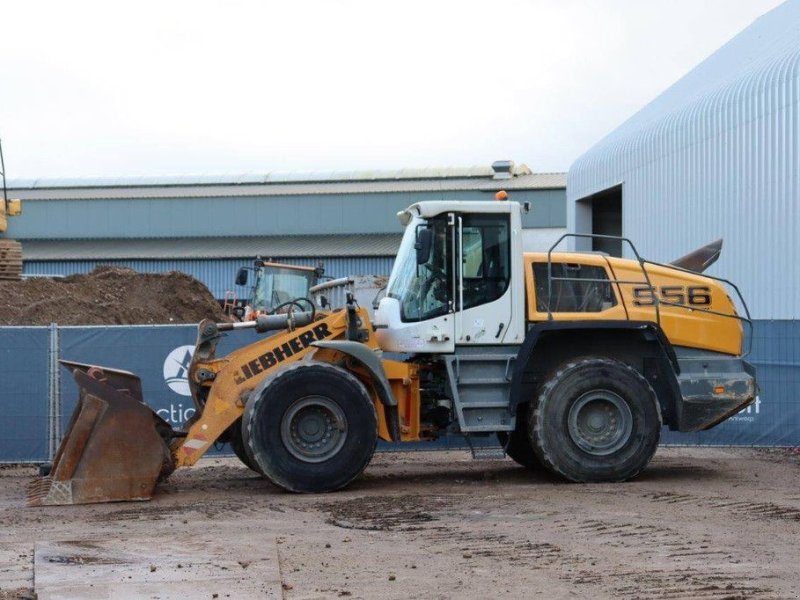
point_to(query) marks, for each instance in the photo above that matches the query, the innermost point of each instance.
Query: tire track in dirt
(430, 520)
(502, 547)
(740, 508)
(699, 570)
(687, 585)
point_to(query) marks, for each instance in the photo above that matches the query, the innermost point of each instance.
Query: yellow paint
(223, 405)
(404, 380)
(691, 326)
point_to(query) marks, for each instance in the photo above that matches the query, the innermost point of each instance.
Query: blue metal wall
(217, 275)
(241, 216)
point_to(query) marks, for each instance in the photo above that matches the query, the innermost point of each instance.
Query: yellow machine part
(403, 379)
(691, 324)
(239, 373)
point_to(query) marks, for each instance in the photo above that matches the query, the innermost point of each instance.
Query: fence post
(54, 393)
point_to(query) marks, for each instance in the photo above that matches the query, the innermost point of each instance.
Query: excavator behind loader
(571, 363)
(276, 287)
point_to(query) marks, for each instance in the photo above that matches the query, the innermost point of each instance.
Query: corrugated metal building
(210, 226)
(717, 155)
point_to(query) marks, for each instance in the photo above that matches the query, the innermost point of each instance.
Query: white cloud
(99, 88)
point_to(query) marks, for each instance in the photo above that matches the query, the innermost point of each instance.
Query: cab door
(484, 278)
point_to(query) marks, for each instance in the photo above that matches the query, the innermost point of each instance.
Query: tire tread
(536, 424)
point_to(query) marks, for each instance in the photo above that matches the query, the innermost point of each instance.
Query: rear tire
(518, 443)
(596, 420)
(312, 427)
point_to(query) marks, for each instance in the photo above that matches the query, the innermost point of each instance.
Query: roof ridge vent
(503, 169)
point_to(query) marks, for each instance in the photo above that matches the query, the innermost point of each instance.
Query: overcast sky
(159, 88)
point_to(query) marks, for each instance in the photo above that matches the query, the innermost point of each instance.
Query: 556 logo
(693, 295)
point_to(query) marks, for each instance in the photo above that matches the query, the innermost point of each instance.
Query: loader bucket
(115, 448)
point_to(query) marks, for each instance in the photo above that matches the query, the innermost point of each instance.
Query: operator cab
(457, 279)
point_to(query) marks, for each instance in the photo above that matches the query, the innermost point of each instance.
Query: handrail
(656, 299)
(657, 302)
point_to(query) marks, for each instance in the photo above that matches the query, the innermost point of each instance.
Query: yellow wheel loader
(569, 362)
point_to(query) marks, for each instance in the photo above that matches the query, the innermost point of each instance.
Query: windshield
(423, 290)
(276, 285)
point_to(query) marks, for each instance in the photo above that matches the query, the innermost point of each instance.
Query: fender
(649, 331)
(370, 361)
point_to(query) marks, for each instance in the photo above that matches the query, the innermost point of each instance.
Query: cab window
(486, 258)
(575, 288)
(424, 288)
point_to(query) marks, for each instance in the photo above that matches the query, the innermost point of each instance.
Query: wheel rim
(314, 429)
(600, 422)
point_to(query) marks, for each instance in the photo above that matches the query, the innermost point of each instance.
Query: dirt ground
(699, 524)
(107, 296)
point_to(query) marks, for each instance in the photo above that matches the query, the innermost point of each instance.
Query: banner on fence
(37, 401)
(24, 394)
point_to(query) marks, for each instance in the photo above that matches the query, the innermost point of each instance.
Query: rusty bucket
(116, 448)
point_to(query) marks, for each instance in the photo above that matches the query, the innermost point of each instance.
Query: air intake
(503, 169)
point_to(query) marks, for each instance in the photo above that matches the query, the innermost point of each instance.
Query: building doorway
(600, 214)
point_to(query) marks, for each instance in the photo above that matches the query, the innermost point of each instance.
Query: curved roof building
(717, 155)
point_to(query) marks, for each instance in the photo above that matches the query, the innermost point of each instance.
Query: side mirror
(376, 301)
(423, 245)
(241, 277)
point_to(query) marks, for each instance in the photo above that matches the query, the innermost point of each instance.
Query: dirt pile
(107, 296)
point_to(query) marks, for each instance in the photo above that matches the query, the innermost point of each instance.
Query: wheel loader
(569, 363)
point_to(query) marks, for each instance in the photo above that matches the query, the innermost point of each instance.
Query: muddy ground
(107, 296)
(699, 524)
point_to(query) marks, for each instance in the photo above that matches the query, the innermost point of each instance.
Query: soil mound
(108, 296)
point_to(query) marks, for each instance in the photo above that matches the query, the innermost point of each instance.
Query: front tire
(310, 428)
(239, 448)
(596, 420)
